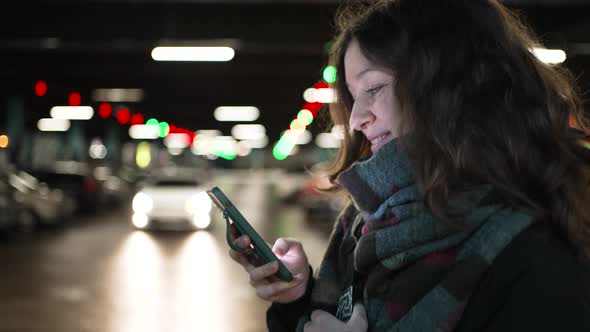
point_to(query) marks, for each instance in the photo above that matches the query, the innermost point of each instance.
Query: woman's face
(376, 108)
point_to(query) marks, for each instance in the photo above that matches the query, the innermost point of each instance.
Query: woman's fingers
(260, 273)
(263, 277)
(269, 291)
(242, 242)
(234, 231)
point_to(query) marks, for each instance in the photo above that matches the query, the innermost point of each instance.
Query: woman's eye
(374, 90)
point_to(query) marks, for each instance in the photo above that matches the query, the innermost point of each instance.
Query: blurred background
(116, 116)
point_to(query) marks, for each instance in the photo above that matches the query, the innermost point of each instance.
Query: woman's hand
(269, 287)
(326, 322)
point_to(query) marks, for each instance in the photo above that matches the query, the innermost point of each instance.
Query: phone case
(261, 248)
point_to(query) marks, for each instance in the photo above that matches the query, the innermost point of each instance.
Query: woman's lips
(378, 141)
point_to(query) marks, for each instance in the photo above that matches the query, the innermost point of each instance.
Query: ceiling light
(236, 113)
(118, 95)
(327, 141)
(248, 131)
(53, 125)
(323, 95)
(549, 56)
(72, 112)
(183, 53)
(144, 132)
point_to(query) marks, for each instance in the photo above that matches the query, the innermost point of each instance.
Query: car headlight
(140, 220)
(198, 204)
(142, 203)
(201, 221)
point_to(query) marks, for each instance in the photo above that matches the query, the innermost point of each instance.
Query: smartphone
(261, 249)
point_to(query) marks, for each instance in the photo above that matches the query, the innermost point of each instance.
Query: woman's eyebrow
(360, 74)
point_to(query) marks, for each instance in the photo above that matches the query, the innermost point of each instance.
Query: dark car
(49, 205)
(12, 215)
(76, 182)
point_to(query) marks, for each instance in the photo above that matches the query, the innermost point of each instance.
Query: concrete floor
(99, 274)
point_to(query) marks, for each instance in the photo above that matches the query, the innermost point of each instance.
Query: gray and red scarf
(412, 272)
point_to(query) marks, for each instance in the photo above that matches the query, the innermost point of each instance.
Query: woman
(468, 187)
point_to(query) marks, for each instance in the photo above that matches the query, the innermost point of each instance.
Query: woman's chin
(376, 147)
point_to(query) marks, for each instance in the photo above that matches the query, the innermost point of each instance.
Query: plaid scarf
(412, 272)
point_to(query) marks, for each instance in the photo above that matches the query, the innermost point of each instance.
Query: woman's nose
(360, 116)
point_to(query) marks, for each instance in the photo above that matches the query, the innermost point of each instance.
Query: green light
(305, 116)
(329, 74)
(225, 156)
(296, 125)
(151, 122)
(587, 144)
(224, 149)
(164, 129)
(284, 146)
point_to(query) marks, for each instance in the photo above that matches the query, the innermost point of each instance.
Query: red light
(40, 88)
(75, 99)
(321, 85)
(313, 108)
(191, 136)
(137, 119)
(172, 129)
(123, 116)
(105, 110)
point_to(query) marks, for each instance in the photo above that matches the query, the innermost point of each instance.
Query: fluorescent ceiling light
(236, 113)
(338, 131)
(248, 131)
(144, 132)
(177, 141)
(118, 95)
(549, 56)
(327, 141)
(303, 137)
(53, 124)
(297, 137)
(225, 144)
(183, 53)
(323, 95)
(72, 112)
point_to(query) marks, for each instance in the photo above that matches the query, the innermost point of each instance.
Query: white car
(172, 204)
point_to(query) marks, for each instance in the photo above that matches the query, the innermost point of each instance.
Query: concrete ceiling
(81, 45)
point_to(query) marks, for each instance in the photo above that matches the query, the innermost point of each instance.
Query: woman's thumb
(282, 246)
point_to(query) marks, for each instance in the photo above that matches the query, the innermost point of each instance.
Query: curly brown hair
(481, 107)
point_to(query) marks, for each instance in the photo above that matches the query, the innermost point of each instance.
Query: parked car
(171, 203)
(76, 180)
(49, 206)
(13, 216)
(115, 190)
